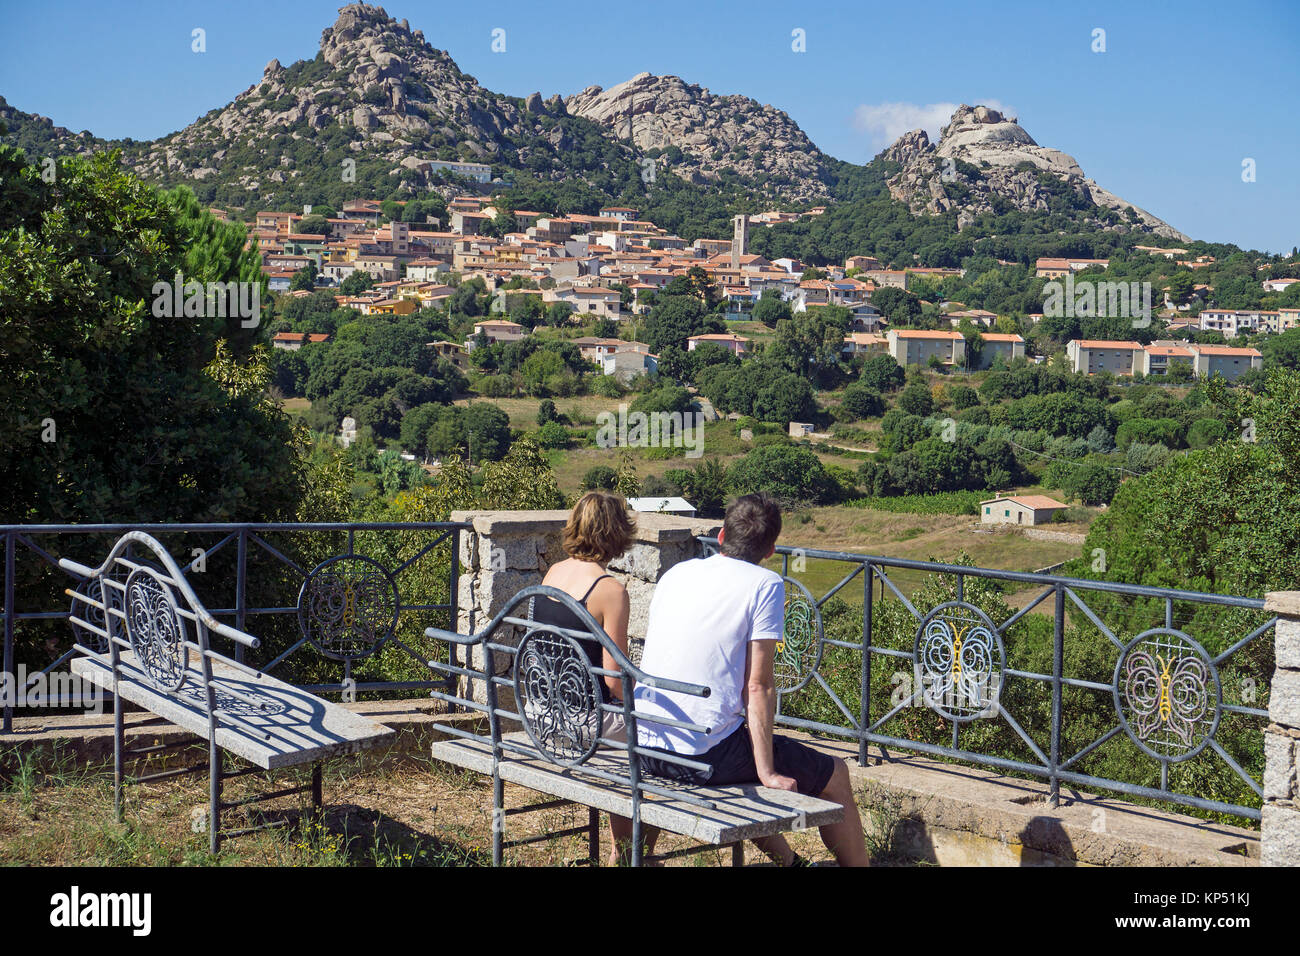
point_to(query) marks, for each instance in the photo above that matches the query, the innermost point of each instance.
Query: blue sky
(1184, 92)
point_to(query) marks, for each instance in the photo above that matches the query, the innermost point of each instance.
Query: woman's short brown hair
(600, 528)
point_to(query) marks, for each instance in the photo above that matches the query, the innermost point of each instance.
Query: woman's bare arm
(611, 608)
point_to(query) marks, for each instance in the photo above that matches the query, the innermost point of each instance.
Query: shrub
(1205, 432)
(862, 402)
(553, 435)
(599, 476)
(963, 396)
(496, 386)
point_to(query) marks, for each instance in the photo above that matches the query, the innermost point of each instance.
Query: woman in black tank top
(599, 530)
(550, 611)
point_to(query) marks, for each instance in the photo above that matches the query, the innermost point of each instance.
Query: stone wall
(509, 550)
(1280, 826)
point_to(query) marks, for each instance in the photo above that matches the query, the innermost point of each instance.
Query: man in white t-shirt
(715, 621)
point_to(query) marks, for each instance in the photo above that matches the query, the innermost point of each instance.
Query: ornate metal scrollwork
(558, 696)
(799, 652)
(155, 628)
(959, 662)
(1167, 694)
(110, 597)
(348, 607)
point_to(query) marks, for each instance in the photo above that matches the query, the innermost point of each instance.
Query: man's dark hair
(751, 527)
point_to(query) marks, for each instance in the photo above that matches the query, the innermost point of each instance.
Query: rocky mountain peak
(358, 18)
(985, 159)
(712, 133)
(909, 147)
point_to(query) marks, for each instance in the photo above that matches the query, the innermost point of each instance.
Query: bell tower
(739, 239)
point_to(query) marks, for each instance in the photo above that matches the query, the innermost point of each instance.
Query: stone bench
(144, 635)
(553, 693)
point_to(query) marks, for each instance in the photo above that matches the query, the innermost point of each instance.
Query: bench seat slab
(292, 726)
(743, 812)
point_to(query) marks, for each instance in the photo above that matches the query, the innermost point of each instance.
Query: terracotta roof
(1029, 501)
(926, 334)
(1227, 350)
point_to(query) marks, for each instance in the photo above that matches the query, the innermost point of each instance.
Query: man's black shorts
(732, 761)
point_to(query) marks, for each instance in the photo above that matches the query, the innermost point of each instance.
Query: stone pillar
(506, 551)
(1280, 825)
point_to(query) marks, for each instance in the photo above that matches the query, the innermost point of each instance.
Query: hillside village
(606, 266)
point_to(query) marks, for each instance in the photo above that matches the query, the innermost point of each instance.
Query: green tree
(304, 278)
(771, 308)
(897, 305)
(676, 318)
(553, 435)
(114, 410)
(1205, 432)
(812, 340)
(1094, 483)
(1283, 350)
(314, 225)
(882, 373)
(794, 476)
(487, 431)
(705, 486)
(356, 283)
(1224, 519)
(916, 398)
(522, 480)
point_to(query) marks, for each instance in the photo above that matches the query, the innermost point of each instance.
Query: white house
(1019, 509)
(668, 506)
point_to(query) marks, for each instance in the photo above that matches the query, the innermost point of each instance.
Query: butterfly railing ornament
(1166, 689)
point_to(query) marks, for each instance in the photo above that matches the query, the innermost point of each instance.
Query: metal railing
(1134, 695)
(338, 606)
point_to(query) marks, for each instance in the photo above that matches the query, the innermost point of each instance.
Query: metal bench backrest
(557, 692)
(147, 607)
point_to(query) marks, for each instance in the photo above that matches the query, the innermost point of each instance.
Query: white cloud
(885, 122)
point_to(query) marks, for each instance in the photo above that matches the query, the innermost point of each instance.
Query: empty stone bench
(144, 635)
(552, 691)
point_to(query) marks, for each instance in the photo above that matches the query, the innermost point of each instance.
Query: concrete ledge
(1283, 603)
(964, 816)
(651, 528)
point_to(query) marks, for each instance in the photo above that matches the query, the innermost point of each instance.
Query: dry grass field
(400, 811)
(581, 409)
